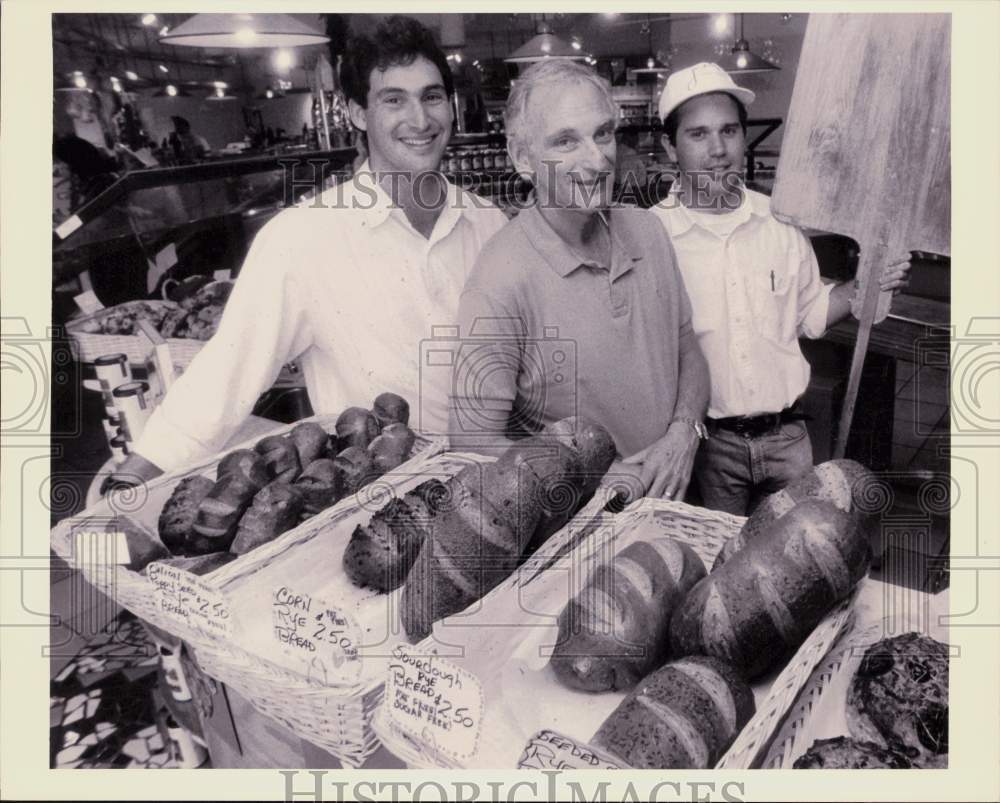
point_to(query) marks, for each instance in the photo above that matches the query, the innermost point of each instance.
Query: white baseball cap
(699, 80)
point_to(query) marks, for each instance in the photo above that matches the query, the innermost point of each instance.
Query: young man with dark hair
(349, 283)
(755, 288)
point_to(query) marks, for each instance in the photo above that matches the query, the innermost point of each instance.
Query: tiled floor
(921, 419)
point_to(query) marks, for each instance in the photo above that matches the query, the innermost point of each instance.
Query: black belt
(753, 426)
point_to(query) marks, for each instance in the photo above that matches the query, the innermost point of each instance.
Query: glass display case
(181, 221)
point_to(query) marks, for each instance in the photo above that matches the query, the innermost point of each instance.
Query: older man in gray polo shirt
(577, 307)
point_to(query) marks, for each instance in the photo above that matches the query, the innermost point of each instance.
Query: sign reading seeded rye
(187, 598)
(436, 702)
(305, 626)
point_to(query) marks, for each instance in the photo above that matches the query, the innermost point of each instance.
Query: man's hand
(666, 464)
(134, 470)
(896, 275)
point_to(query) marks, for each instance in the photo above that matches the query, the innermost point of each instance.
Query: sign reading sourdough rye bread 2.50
(435, 702)
(321, 636)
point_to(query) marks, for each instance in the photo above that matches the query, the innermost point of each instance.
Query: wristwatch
(694, 423)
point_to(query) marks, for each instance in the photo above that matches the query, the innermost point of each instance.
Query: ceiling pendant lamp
(653, 65)
(243, 30)
(741, 60)
(544, 45)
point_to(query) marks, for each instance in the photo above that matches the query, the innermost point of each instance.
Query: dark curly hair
(673, 119)
(397, 41)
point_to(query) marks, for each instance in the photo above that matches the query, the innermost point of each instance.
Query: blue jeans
(734, 473)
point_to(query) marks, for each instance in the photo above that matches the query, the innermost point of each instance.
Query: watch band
(695, 424)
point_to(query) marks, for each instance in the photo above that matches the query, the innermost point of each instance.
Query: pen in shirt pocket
(772, 281)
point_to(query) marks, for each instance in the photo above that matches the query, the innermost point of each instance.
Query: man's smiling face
(709, 143)
(408, 119)
(570, 145)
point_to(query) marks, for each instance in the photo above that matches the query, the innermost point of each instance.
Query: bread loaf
(321, 485)
(493, 513)
(390, 449)
(389, 408)
(310, 441)
(846, 484)
(246, 463)
(356, 468)
(280, 457)
(615, 631)
(356, 427)
(844, 753)
(684, 715)
(179, 513)
(381, 553)
(219, 513)
(275, 509)
(769, 596)
(898, 698)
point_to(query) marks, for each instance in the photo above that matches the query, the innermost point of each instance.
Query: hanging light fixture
(171, 91)
(243, 30)
(653, 65)
(741, 60)
(545, 45)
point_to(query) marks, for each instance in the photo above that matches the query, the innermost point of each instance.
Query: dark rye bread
(844, 753)
(280, 457)
(848, 485)
(310, 440)
(245, 462)
(275, 509)
(615, 631)
(381, 553)
(321, 485)
(219, 514)
(899, 698)
(178, 514)
(765, 600)
(684, 715)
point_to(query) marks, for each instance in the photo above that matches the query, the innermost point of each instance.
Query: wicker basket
(505, 654)
(270, 686)
(88, 346)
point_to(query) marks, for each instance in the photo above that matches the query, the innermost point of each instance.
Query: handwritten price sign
(435, 702)
(325, 638)
(549, 750)
(187, 598)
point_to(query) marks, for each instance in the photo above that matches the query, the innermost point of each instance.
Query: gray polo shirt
(544, 336)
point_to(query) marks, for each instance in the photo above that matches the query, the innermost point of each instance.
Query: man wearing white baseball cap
(755, 288)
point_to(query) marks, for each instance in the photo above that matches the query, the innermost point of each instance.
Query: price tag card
(187, 598)
(435, 702)
(324, 638)
(223, 275)
(548, 750)
(88, 302)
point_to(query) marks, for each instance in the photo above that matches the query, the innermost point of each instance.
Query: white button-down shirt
(754, 286)
(347, 287)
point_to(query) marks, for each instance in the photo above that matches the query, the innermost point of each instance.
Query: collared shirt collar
(365, 194)
(678, 223)
(563, 259)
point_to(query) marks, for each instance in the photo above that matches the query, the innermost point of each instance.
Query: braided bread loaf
(684, 715)
(615, 631)
(769, 596)
(844, 483)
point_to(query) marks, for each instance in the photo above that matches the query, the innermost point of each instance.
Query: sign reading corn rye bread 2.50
(435, 702)
(187, 598)
(324, 638)
(548, 750)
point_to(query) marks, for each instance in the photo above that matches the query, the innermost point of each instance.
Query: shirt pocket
(706, 290)
(772, 294)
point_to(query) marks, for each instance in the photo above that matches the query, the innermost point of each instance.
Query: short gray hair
(547, 71)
